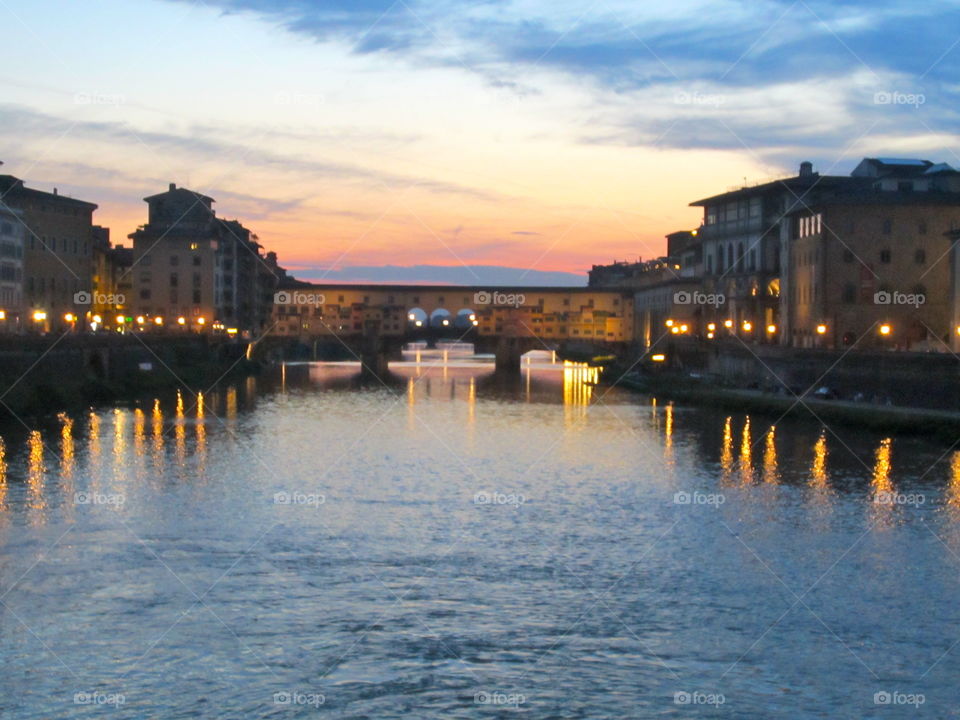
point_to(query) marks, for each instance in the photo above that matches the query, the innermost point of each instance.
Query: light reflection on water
(400, 594)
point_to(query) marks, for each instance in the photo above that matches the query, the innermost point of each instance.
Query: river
(459, 545)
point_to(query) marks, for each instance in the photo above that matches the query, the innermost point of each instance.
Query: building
(196, 271)
(12, 238)
(58, 253)
(745, 236)
(872, 266)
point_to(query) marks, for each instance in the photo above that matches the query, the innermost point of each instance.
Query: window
(145, 294)
(920, 256)
(905, 186)
(196, 261)
(887, 226)
(173, 280)
(885, 255)
(849, 293)
(174, 259)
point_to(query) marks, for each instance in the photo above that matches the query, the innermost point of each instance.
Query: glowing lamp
(39, 316)
(181, 320)
(747, 326)
(885, 329)
(69, 317)
(669, 323)
(658, 358)
(728, 323)
(821, 329)
(711, 326)
(771, 329)
(158, 320)
(141, 319)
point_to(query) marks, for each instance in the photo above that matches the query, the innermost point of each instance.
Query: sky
(367, 138)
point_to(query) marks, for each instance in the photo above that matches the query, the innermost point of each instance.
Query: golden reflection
(818, 469)
(180, 430)
(472, 402)
(770, 472)
(3, 475)
(883, 500)
(231, 403)
(93, 437)
(953, 485)
(881, 469)
(668, 434)
(746, 454)
(726, 450)
(119, 437)
(201, 437)
(35, 473)
(578, 382)
(67, 447)
(139, 432)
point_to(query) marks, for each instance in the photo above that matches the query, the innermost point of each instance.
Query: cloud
(18, 123)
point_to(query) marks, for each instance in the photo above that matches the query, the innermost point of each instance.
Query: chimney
(55, 191)
(173, 186)
(806, 169)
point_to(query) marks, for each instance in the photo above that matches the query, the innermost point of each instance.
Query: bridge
(375, 321)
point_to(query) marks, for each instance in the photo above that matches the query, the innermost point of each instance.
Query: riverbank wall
(40, 375)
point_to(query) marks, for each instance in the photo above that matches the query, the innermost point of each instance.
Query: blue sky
(545, 136)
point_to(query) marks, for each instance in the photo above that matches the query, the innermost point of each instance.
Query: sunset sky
(543, 136)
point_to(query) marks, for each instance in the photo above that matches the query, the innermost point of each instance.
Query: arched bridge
(505, 320)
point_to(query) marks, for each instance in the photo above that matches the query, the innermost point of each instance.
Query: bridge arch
(465, 319)
(441, 318)
(417, 318)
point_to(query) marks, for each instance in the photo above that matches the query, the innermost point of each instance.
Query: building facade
(12, 237)
(58, 253)
(196, 271)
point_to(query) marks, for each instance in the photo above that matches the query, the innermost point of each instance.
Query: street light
(728, 324)
(885, 329)
(771, 328)
(747, 326)
(822, 329)
(97, 319)
(158, 320)
(141, 319)
(411, 317)
(119, 319)
(39, 316)
(711, 326)
(69, 317)
(201, 321)
(669, 323)
(683, 328)
(181, 320)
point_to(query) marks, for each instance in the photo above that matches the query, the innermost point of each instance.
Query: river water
(459, 545)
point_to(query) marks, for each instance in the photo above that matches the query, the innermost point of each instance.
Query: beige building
(58, 253)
